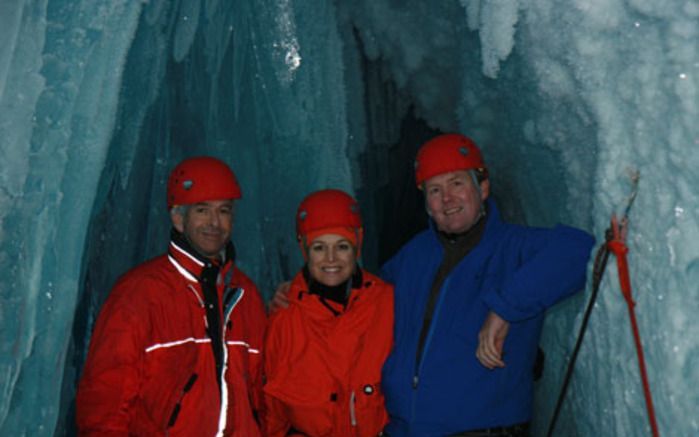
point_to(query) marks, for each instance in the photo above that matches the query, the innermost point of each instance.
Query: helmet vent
(463, 151)
(188, 184)
(303, 215)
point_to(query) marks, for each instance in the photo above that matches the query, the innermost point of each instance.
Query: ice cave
(568, 100)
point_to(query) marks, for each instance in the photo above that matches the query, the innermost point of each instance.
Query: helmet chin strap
(481, 214)
(481, 210)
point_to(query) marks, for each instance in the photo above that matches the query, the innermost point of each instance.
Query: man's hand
(490, 341)
(281, 297)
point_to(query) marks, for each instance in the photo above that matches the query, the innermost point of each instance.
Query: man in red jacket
(176, 348)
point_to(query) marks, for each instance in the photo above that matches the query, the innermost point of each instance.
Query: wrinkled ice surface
(100, 99)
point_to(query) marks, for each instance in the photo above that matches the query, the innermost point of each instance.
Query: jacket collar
(315, 297)
(339, 293)
(191, 264)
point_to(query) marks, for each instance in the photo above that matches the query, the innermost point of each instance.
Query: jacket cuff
(508, 311)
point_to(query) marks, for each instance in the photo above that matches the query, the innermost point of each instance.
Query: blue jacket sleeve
(551, 265)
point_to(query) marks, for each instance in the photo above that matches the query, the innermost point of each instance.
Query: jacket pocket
(176, 409)
(367, 411)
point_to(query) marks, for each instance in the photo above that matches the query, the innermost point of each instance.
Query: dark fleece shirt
(456, 247)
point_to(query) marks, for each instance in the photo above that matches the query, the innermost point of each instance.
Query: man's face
(453, 200)
(206, 225)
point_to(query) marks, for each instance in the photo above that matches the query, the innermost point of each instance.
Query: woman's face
(331, 259)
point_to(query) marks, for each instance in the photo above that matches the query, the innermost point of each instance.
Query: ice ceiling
(99, 99)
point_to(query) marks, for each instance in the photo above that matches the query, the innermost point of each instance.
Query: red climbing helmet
(447, 153)
(329, 212)
(199, 179)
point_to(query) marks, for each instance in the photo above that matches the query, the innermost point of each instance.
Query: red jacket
(151, 370)
(324, 370)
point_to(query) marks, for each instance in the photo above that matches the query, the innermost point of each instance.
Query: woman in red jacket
(324, 352)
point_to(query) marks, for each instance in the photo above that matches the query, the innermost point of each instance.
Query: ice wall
(100, 99)
(61, 66)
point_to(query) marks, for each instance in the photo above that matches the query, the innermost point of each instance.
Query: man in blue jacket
(470, 296)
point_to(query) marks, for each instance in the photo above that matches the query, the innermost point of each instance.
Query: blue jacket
(515, 271)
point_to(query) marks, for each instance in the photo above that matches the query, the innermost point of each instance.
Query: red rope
(619, 248)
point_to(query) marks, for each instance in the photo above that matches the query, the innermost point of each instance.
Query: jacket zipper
(419, 362)
(353, 413)
(236, 297)
(428, 341)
